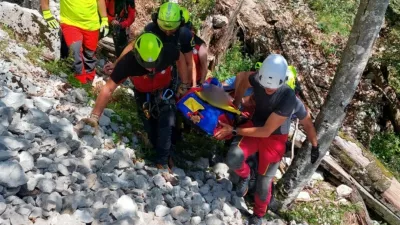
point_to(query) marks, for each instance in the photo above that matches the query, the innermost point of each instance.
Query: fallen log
(378, 187)
(362, 212)
(339, 173)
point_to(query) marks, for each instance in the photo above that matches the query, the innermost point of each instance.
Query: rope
(294, 136)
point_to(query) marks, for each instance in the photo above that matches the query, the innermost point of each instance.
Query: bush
(386, 147)
(233, 63)
(334, 16)
(199, 10)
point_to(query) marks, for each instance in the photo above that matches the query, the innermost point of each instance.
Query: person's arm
(194, 74)
(190, 66)
(182, 69)
(273, 122)
(101, 5)
(309, 129)
(44, 4)
(203, 62)
(130, 19)
(104, 97)
(241, 85)
(127, 49)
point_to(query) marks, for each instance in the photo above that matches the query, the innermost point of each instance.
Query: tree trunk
(367, 24)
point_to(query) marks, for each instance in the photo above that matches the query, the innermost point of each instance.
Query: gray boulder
(30, 24)
(12, 99)
(62, 149)
(44, 104)
(46, 185)
(83, 215)
(38, 118)
(12, 174)
(6, 115)
(5, 154)
(15, 144)
(26, 161)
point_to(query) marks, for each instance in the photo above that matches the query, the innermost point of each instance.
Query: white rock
(65, 219)
(62, 169)
(62, 149)
(276, 222)
(44, 104)
(83, 215)
(46, 185)
(227, 209)
(3, 207)
(125, 206)
(195, 220)
(180, 214)
(26, 161)
(162, 211)
(40, 221)
(213, 220)
(43, 163)
(343, 201)
(343, 191)
(12, 99)
(303, 196)
(221, 169)
(80, 95)
(159, 180)
(318, 176)
(12, 174)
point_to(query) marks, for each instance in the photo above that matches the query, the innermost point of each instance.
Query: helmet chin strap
(152, 73)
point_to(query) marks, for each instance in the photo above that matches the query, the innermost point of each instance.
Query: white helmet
(273, 71)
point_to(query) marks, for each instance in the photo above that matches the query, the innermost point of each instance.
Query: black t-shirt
(198, 40)
(282, 102)
(128, 65)
(182, 38)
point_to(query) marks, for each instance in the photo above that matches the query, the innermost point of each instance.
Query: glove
(314, 154)
(108, 68)
(92, 121)
(51, 21)
(104, 26)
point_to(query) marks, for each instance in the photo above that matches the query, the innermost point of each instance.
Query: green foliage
(386, 146)
(391, 57)
(58, 66)
(8, 30)
(234, 62)
(334, 16)
(322, 213)
(326, 211)
(199, 10)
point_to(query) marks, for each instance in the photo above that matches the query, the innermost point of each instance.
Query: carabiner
(165, 94)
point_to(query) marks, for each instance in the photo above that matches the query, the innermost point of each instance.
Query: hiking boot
(255, 220)
(164, 168)
(242, 186)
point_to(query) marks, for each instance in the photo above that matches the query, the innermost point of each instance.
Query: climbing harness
(152, 109)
